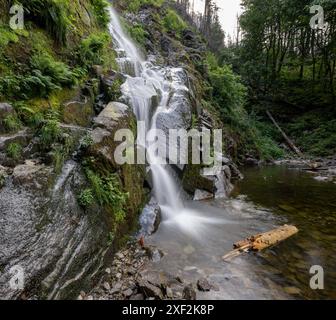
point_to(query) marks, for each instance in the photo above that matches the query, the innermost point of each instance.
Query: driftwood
(288, 140)
(261, 241)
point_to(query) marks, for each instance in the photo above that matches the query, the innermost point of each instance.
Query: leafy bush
(7, 36)
(12, 123)
(135, 5)
(85, 199)
(91, 49)
(51, 14)
(50, 133)
(14, 151)
(138, 33)
(173, 22)
(57, 71)
(99, 8)
(108, 192)
(46, 75)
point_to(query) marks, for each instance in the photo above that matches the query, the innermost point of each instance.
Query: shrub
(44, 65)
(99, 9)
(86, 199)
(14, 151)
(108, 192)
(173, 22)
(51, 14)
(91, 49)
(50, 133)
(12, 123)
(138, 33)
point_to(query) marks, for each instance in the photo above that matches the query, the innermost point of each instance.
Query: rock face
(44, 232)
(60, 246)
(114, 117)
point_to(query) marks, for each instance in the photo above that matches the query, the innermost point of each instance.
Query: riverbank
(268, 197)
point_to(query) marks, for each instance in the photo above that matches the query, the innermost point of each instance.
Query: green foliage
(173, 22)
(14, 151)
(51, 14)
(57, 71)
(315, 133)
(87, 141)
(50, 133)
(91, 49)
(86, 198)
(228, 91)
(115, 90)
(46, 75)
(12, 123)
(138, 33)
(7, 36)
(135, 5)
(100, 11)
(229, 96)
(108, 192)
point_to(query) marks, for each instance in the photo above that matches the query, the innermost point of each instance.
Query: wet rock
(154, 253)
(110, 82)
(202, 195)
(138, 297)
(203, 285)
(39, 211)
(31, 173)
(150, 218)
(223, 183)
(149, 290)
(189, 292)
(22, 138)
(107, 286)
(127, 293)
(250, 161)
(169, 293)
(79, 109)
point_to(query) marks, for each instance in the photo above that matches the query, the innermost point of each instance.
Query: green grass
(173, 22)
(14, 151)
(138, 33)
(50, 133)
(12, 123)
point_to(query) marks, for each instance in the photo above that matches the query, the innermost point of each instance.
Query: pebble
(107, 286)
(127, 293)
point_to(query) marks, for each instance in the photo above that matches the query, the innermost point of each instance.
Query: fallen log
(262, 241)
(287, 139)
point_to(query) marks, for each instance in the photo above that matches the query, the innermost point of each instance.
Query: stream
(194, 236)
(268, 197)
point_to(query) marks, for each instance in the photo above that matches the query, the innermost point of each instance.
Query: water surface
(268, 197)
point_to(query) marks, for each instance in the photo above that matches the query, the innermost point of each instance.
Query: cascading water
(149, 89)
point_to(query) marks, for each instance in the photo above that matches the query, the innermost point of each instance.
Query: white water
(149, 89)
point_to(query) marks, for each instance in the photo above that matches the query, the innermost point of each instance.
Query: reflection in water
(268, 197)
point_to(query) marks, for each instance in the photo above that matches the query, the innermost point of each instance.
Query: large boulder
(46, 235)
(114, 117)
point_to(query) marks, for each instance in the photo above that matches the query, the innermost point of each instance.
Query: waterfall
(149, 90)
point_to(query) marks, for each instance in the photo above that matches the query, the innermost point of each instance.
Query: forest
(286, 61)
